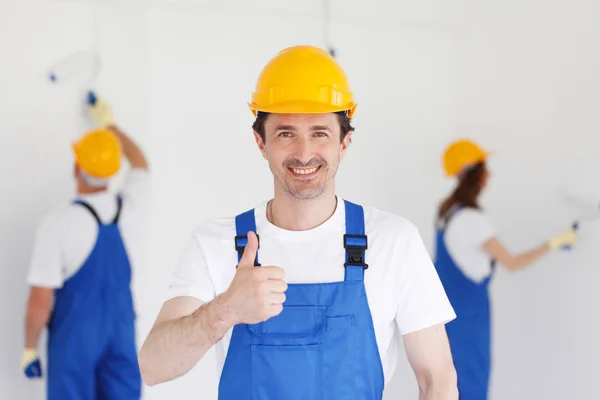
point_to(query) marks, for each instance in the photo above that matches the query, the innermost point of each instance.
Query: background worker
(80, 274)
(312, 321)
(467, 249)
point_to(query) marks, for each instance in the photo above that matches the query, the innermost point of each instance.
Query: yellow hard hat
(462, 154)
(302, 80)
(98, 153)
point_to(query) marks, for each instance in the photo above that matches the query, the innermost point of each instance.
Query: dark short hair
(345, 124)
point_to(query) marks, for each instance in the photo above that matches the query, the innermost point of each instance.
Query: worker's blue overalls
(470, 332)
(91, 336)
(322, 346)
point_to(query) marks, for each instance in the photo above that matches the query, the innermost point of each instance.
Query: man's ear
(345, 144)
(261, 145)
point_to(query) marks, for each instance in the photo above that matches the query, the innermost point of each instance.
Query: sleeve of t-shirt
(474, 226)
(467, 231)
(191, 276)
(46, 265)
(422, 300)
(136, 191)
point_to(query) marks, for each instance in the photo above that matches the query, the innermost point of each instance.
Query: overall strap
(355, 243)
(119, 207)
(90, 209)
(445, 220)
(245, 223)
(95, 214)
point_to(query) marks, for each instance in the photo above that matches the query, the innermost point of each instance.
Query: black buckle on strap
(240, 244)
(355, 246)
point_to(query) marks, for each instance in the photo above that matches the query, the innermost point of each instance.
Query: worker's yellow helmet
(462, 154)
(302, 80)
(98, 153)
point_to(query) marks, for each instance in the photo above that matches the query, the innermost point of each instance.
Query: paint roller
(577, 223)
(78, 64)
(83, 62)
(577, 195)
(326, 6)
(586, 218)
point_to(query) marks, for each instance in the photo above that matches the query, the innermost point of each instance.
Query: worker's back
(84, 256)
(67, 236)
(98, 294)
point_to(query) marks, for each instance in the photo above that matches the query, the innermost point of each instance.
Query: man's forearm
(440, 387)
(39, 308)
(174, 347)
(35, 322)
(132, 152)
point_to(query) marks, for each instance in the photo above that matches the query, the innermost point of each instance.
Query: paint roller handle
(91, 98)
(72, 65)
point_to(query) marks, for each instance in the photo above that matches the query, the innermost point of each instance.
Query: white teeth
(304, 171)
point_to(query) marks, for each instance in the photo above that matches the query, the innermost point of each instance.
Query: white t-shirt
(403, 288)
(467, 231)
(66, 236)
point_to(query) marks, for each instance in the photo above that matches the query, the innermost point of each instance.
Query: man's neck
(90, 190)
(300, 215)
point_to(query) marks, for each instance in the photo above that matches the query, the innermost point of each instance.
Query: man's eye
(285, 134)
(321, 134)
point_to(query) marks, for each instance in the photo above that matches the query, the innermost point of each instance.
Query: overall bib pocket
(338, 361)
(293, 322)
(286, 356)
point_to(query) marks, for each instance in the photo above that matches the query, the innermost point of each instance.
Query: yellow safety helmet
(302, 80)
(462, 154)
(98, 153)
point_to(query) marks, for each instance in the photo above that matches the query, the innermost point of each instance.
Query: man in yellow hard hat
(309, 313)
(80, 274)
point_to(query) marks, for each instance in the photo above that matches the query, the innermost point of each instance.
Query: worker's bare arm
(185, 328)
(39, 308)
(184, 331)
(499, 252)
(131, 150)
(429, 355)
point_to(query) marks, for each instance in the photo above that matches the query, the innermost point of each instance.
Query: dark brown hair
(466, 192)
(259, 125)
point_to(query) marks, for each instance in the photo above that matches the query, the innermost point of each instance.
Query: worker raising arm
(80, 273)
(467, 249)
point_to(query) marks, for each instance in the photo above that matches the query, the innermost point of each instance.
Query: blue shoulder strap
(355, 243)
(95, 214)
(446, 218)
(245, 223)
(355, 240)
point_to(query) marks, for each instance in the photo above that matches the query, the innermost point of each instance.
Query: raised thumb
(249, 255)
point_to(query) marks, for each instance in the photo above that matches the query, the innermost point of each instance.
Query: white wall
(528, 88)
(179, 74)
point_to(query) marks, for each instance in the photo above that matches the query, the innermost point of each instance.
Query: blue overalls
(321, 346)
(91, 336)
(470, 333)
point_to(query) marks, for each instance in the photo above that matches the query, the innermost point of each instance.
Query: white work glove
(101, 113)
(30, 364)
(566, 240)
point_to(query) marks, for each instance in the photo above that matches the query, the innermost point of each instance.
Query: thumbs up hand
(256, 293)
